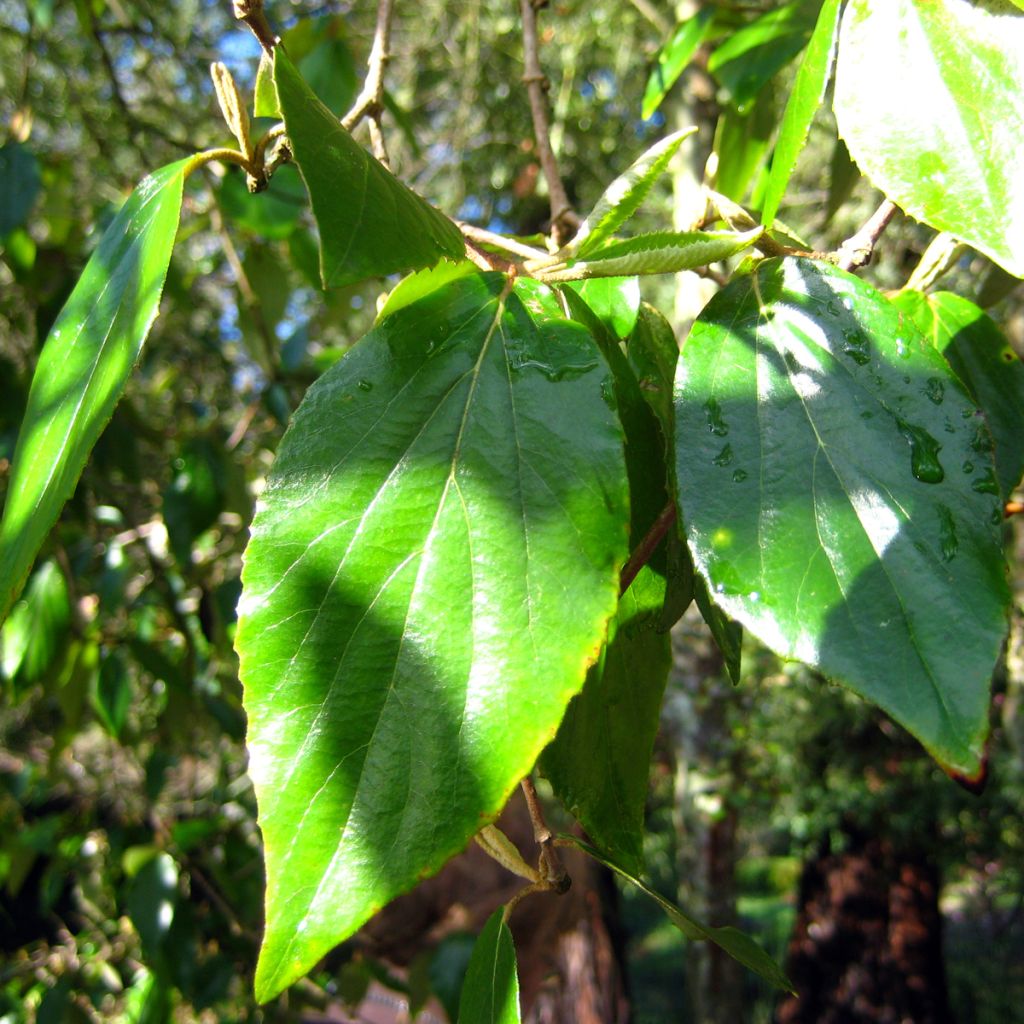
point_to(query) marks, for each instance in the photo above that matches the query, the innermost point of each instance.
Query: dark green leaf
(757, 52)
(152, 901)
(195, 496)
(37, 626)
(739, 946)
(83, 367)
(113, 694)
(329, 69)
(20, 182)
(947, 145)
(804, 102)
(448, 970)
(653, 353)
(370, 224)
(622, 198)
(273, 213)
(490, 993)
(615, 301)
(430, 574)
(674, 56)
(842, 177)
(986, 362)
(600, 760)
(839, 496)
(742, 142)
(727, 634)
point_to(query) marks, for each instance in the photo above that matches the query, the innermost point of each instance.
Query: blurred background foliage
(130, 869)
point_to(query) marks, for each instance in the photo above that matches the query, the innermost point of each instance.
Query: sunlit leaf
(431, 570)
(490, 993)
(370, 224)
(838, 493)
(947, 145)
(674, 56)
(83, 367)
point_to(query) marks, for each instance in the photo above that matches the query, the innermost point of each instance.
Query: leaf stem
(857, 250)
(476, 234)
(251, 12)
(564, 220)
(643, 551)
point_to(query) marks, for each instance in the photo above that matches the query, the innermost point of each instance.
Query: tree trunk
(867, 946)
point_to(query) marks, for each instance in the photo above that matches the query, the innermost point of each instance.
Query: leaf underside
(839, 496)
(430, 574)
(91, 349)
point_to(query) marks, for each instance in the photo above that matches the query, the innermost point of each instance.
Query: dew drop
(365, 385)
(847, 302)
(739, 475)
(719, 588)
(924, 453)
(716, 424)
(608, 394)
(981, 442)
(948, 542)
(832, 309)
(724, 457)
(968, 466)
(935, 390)
(856, 347)
(986, 483)
(901, 348)
(755, 596)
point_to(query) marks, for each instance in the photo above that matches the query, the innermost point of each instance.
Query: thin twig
(563, 219)
(370, 101)
(541, 832)
(641, 556)
(251, 12)
(486, 237)
(552, 872)
(856, 251)
(654, 16)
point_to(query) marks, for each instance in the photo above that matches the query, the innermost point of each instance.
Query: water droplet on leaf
(924, 453)
(986, 483)
(947, 534)
(716, 424)
(365, 385)
(724, 457)
(935, 390)
(739, 475)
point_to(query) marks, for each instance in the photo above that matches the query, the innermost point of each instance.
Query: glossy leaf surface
(986, 362)
(600, 760)
(947, 145)
(614, 300)
(804, 102)
(839, 496)
(622, 198)
(737, 944)
(674, 56)
(430, 574)
(82, 369)
(662, 252)
(490, 992)
(370, 223)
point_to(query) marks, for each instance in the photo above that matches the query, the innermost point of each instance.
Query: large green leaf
(370, 224)
(986, 362)
(804, 102)
(948, 144)
(82, 369)
(838, 494)
(622, 198)
(738, 945)
(674, 56)
(431, 570)
(490, 993)
(599, 762)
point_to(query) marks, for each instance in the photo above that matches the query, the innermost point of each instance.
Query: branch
(856, 251)
(563, 220)
(654, 536)
(251, 12)
(370, 101)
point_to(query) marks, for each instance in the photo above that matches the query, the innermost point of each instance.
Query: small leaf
(754, 54)
(37, 626)
(82, 369)
(947, 145)
(663, 252)
(20, 183)
(839, 496)
(490, 993)
(615, 301)
(152, 901)
(986, 362)
(739, 946)
(727, 634)
(742, 143)
(804, 102)
(430, 574)
(112, 696)
(622, 198)
(265, 93)
(599, 763)
(653, 352)
(674, 57)
(370, 224)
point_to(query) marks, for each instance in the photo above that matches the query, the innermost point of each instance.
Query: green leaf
(112, 696)
(431, 571)
(742, 143)
(739, 946)
(749, 57)
(273, 213)
(663, 252)
(839, 496)
(370, 224)
(674, 56)
(265, 93)
(423, 282)
(727, 634)
(20, 183)
(490, 993)
(622, 198)
(653, 352)
(37, 626)
(804, 102)
(947, 145)
(986, 363)
(82, 369)
(615, 301)
(152, 901)
(600, 760)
